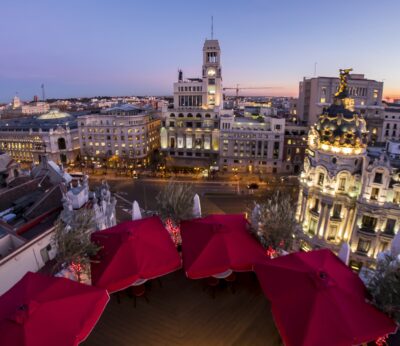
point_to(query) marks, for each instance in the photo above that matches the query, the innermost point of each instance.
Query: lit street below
(215, 196)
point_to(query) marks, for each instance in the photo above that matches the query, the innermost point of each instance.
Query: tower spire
(212, 27)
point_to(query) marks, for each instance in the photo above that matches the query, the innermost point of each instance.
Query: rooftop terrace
(182, 313)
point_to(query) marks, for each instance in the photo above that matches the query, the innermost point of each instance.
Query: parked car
(252, 186)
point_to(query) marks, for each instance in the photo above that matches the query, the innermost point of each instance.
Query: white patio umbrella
(136, 214)
(254, 216)
(344, 253)
(196, 206)
(395, 248)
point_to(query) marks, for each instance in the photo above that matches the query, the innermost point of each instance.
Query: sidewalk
(195, 178)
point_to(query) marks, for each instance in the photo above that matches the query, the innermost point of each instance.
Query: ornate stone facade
(348, 192)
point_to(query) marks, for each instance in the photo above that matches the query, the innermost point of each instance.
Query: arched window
(172, 115)
(190, 115)
(180, 115)
(198, 115)
(61, 143)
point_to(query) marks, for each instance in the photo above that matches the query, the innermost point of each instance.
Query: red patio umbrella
(47, 311)
(317, 300)
(218, 243)
(131, 251)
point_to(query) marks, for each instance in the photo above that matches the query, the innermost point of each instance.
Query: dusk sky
(88, 48)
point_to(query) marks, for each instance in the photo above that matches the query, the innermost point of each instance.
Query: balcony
(388, 234)
(336, 218)
(367, 230)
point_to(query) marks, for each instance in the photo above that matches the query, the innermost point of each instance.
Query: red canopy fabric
(317, 300)
(218, 243)
(133, 250)
(47, 311)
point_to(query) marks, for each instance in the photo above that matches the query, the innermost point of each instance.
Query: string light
(174, 231)
(271, 252)
(382, 341)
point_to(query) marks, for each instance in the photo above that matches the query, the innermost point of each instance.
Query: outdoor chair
(139, 291)
(212, 283)
(230, 281)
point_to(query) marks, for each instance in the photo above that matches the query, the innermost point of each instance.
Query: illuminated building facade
(190, 130)
(124, 132)
(348, 193)
(391, 122)
(253, 145)
(294, 148)
(55, 133)
(317, 93)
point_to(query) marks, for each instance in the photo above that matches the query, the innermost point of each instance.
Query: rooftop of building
(184, 313)
(44, 122)
(30, 206)
(54, 114)
(126, 109)
(352, 76)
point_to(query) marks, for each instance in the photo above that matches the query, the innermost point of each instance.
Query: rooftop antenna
(212, 27)
(315, 69)
(43, 94)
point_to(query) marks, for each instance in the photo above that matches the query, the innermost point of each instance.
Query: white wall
(26, 258)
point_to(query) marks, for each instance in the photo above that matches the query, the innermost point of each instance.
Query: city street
(215, 196)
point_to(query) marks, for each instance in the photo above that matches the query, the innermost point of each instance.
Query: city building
(391, 122)
(348, 192)
(29, 206)
(9, 169)
(17, 109)
(252, 144)
(317, 93)
(55, 133)
(294, 147)
(122, 133)
(190, 130)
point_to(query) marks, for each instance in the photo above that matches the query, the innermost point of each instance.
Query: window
(374, 194)
(363, 245)
(323, 95)
(332, 232)
(378, 178)
(313, 226)
(321, 179)
(368, 223)
(316, 205)
(337, 209)
(276, 150)
(396, 198)
(390, 223)
(342, 184)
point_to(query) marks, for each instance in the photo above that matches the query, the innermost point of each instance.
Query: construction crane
(237, 88)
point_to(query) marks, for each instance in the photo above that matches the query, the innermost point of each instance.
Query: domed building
(54, 132)
(347, 191)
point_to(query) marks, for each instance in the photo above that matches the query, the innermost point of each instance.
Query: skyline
(98, 48)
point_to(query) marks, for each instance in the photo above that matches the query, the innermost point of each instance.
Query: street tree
(273, 221)
(384, 285)
(174, 204)
(72, 240)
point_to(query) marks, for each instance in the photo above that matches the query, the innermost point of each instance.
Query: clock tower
(212, 79)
